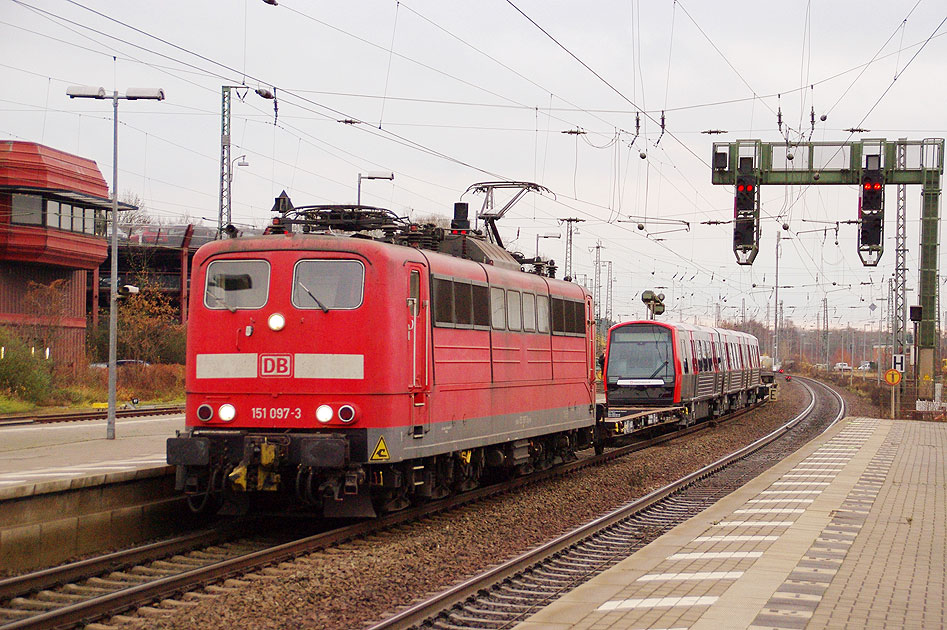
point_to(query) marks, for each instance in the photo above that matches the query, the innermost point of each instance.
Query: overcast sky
(446, 94)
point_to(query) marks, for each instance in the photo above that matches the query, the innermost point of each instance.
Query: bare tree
(138, 216)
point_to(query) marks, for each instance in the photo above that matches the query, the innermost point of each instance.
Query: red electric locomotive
(693, 372)
(363, 372)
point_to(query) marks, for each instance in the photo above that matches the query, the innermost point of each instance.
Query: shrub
(160, 383)
(22, 374)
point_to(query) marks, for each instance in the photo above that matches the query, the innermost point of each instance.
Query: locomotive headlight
(276, 321)
(323, 413)
(227, 412)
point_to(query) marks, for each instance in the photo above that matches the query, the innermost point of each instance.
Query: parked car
(842, 367)
(121, 363)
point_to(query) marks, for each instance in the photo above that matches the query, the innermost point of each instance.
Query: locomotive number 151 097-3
(276, 413)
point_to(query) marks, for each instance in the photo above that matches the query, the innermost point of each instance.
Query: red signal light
(867, 185)
(740, 187)
(876, 186)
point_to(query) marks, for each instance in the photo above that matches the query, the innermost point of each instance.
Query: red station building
(53, 211)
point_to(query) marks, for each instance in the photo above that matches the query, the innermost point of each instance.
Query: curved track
(508, 593)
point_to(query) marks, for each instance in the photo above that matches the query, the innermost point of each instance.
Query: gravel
(353, 585)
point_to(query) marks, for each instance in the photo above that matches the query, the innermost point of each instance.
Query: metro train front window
(328, 284)
(236, 284)
(640, 352)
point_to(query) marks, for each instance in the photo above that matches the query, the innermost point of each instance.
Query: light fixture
(323, 413)
(227, 412)
(346, 413)
(371, 175)
(276, 322)
(205, 412)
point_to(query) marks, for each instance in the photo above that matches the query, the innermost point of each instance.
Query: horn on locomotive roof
(490, 214)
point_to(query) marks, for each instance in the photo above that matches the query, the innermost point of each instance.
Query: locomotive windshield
(233, 284)
(640, 351)
(328, 284)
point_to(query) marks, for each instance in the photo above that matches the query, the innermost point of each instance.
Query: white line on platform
(658, 602)
(700, 575)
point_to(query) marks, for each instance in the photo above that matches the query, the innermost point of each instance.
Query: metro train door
(418, 324)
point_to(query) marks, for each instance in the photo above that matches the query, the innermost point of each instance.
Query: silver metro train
(699, 371)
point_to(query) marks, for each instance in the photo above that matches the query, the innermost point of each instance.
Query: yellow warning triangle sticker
(381, 451)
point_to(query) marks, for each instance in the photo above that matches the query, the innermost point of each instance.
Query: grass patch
(11, 405)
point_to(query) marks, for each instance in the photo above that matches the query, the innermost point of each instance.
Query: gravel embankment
(356, 584)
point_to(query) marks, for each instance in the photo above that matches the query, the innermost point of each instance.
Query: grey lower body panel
(458, 435)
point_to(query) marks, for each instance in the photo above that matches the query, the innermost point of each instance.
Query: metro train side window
(498, 308)
(328, 284)
(236, 284)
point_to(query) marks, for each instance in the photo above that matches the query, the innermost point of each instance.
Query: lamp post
(539, 236)
(371, 175)
(131, 94)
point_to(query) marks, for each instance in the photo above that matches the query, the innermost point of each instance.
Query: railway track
(509, 593)
(101, 587)
(95, 414)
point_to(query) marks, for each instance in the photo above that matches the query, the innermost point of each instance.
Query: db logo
(276, 365)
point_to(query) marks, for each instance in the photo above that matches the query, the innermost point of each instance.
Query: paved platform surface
(848, 532)
(35, 458)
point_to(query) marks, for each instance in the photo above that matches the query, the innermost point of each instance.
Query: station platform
(848, 532)
(43, 458)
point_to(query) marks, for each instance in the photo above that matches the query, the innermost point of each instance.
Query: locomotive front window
(328, 284)
(236, 284)
(642, 352)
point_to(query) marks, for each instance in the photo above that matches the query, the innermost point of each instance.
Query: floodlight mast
(131, 94)
(85, 91)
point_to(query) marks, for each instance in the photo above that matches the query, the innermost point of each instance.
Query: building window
(88, 220)
(52, 213)
(101, 228)
(27, 209)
